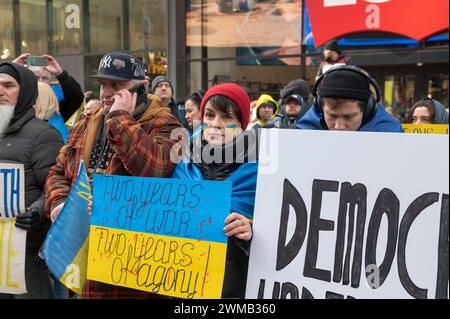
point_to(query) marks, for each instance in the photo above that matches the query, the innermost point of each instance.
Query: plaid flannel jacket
(141, 148)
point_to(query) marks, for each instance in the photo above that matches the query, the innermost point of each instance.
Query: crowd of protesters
(123, 133)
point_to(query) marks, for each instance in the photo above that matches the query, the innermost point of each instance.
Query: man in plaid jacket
(128, 136)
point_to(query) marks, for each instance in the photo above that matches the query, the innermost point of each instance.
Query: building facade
(261, 45)
(79, 32)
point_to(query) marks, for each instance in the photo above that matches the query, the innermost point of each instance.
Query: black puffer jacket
(33, 143)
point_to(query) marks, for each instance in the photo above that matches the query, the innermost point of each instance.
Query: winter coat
(33, 143)
(242, 173)
(274, 121)
(140, 148)
(380, 122)
(287, 123)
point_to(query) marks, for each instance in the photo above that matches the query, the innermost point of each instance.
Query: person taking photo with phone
(69, 92)
(122, 138)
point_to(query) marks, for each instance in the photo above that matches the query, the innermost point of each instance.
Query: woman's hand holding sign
(238, 225)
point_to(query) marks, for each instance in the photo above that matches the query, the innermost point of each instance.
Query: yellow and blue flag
(75, 117)
(66, 247)
(163, 236)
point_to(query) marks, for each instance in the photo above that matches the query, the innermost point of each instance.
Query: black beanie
(345, 84)
(333, 46)
(298, 86)
(8, 69)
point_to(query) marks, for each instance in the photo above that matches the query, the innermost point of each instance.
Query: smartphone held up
(37, 61)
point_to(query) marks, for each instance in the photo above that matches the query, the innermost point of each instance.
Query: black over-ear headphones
(371, 106)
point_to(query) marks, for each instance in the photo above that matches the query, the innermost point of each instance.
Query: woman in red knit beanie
(225, 113)
(233, 103)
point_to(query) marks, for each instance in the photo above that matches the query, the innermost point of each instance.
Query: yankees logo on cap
(120, 66)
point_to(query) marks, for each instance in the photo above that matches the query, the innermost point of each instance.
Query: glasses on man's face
(163, 85)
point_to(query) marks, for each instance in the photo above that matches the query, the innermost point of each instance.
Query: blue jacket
(58, 123)
(381, 122)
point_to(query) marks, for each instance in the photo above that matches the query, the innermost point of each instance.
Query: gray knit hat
(160, 79)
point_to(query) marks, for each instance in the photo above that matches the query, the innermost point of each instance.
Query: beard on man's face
(6, 115)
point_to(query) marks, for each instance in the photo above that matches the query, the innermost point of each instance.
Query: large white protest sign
(12, 239)
(352, 215)
(12, 194)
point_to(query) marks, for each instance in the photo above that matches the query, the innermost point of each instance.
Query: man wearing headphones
(347, 98)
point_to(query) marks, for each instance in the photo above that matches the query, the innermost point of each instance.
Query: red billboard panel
(416, 19)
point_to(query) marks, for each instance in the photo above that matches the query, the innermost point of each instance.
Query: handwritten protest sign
(344, 225)
(66, 245)
(12, 239)
(12, 258)
(426, 128)
(12, 193)
(163, 236)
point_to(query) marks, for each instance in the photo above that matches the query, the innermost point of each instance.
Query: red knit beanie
(235, 93)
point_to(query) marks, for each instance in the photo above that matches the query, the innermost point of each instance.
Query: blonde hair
(47, 103)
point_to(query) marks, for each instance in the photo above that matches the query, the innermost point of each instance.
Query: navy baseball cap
(296, 97)
(118, 66)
